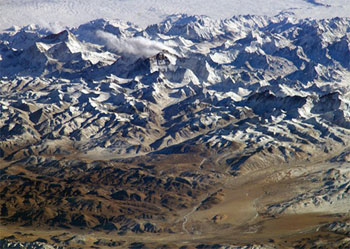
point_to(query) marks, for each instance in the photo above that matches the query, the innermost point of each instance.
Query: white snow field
(59, 13)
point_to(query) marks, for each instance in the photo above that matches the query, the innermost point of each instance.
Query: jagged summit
(194, 78)
(192, 128)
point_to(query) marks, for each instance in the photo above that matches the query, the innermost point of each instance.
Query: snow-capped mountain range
(196, 129)
(108, 89)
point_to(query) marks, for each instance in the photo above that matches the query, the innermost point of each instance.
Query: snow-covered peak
(109, 85)
(87, 32)
(195, 28)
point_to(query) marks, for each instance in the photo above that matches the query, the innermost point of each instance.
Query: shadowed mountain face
(207, 83)
(111, 128)
(315, 2)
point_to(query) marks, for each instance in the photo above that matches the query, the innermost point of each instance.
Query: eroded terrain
(191, 133)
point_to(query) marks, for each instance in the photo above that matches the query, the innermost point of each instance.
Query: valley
(190, 133)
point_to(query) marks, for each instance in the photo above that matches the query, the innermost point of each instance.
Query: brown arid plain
(76, 209)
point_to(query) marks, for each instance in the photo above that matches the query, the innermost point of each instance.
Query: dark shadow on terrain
(316, 3)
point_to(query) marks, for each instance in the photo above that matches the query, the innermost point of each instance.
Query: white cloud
(54, 27)
(138, 47)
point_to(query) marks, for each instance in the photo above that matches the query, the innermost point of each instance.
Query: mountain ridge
(163, 130)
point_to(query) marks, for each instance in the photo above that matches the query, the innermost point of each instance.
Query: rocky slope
(111, 127)
(207, 82)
